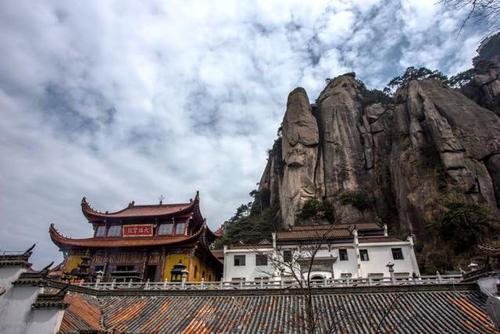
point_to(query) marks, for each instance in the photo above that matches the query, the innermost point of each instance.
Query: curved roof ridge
(107, 242)
(132, 210)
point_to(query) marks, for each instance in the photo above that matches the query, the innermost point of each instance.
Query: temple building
(339, 251)
(140, 243)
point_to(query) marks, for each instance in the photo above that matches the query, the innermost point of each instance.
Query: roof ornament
(45, 269)
(161, 198)
(28, 251)
(131, 204)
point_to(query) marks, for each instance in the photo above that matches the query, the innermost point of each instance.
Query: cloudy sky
(130, 100)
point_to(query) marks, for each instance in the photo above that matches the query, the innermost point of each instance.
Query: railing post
(97, 281)
(146, 287)
(165, 284)
(221, 284)
(113, 284)
(369, 281)
(202, 285)
(439, 277)
(130, 283)
(262, 284)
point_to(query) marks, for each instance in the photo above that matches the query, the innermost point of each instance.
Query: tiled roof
(418, 311)
(218, 253)
(83, 314)
(138, 211)
(364, 240)
(61, 240)
(313, 234)
(359, 226)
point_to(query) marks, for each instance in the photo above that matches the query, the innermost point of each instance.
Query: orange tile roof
(63, 241)
(420, 309)
(83, 314)
(137, 210)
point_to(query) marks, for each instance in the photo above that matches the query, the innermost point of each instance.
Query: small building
(140, 243)
(340, 251)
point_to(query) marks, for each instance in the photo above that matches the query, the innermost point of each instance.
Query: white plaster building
(341, 251)
(22, 309)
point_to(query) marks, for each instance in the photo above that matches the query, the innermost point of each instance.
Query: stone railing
(274, 284)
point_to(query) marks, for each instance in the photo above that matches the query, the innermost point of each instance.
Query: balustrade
(274, 284)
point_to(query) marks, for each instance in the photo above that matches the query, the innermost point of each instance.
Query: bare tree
(300, 267)
(479, 10)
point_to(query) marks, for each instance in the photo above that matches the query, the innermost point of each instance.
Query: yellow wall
(190, 262)
(171, 260)
(72, 262)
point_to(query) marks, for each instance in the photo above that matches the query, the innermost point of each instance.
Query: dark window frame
(397, 253)
(261, 260)
(363, 255)
(343, 254)
(239, 260)
(287, 256)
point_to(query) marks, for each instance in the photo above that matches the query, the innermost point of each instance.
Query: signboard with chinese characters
(143, 230)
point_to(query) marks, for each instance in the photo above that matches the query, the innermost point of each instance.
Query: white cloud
(128, 100)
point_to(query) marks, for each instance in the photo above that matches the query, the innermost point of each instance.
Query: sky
(133, 100)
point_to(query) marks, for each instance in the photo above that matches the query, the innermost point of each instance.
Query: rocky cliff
(398, 160)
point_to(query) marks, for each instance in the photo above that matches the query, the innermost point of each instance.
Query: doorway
(150, 273)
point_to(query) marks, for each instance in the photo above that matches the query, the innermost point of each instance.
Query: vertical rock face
(300, 141)
(433, 143)
(441, 147)
(406, 157)
(487, 65)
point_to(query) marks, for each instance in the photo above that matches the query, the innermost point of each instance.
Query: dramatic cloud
(128, 100)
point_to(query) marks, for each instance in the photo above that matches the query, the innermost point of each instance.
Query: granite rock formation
(402, 157)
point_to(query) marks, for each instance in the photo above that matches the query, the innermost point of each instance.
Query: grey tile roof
(419, 311)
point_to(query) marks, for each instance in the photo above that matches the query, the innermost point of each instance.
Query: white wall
(15, 308)
(380, 255)
(250, 270)
(16, 314)
(9, 274)
(44, 321)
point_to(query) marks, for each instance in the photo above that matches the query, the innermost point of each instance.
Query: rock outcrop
(300, 139)
(402, 158)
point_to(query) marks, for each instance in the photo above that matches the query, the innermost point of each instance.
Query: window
(343, 255)
(260, 260)
(363, 253)
(397, 254)
(101, 231)
(179, 228)
(165, 229)
(287, 256)
(239, 260)
(115, 231)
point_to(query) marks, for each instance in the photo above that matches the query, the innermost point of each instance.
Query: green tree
(413, 73)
